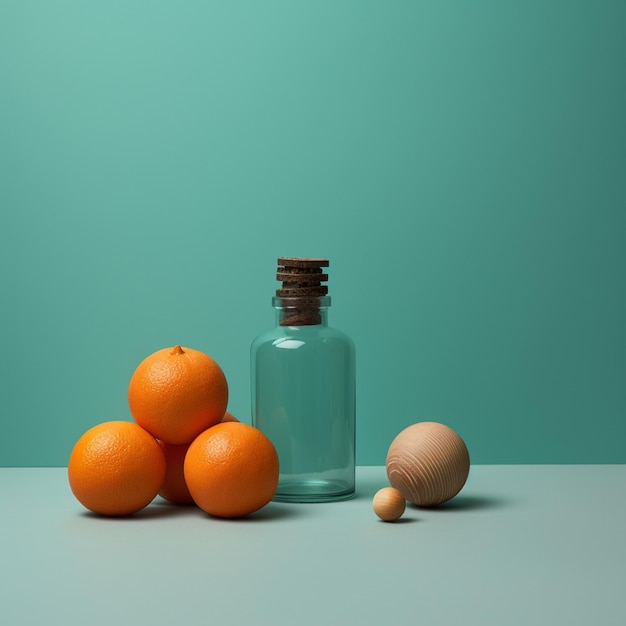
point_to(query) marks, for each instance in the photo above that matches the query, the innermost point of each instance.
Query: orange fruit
(174, 488)
(116, 468)
(176, 393)
(231, 470)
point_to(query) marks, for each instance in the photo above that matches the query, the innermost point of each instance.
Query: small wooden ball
(428, 463)
(388, 504)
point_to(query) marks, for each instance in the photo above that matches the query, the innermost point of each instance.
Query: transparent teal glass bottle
(303, 389)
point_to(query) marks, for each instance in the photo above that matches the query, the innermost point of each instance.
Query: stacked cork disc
(301, 289)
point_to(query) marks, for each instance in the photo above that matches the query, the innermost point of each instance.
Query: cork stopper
(302, 289)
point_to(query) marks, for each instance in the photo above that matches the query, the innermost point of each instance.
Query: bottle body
(304, 399)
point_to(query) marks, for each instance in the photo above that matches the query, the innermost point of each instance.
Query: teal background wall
(462, 164)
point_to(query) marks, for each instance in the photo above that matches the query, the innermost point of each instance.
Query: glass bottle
(303, 388)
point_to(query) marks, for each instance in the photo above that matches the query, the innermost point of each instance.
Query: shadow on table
(160, 509)
(366, 489)
(271, 512)
(468, 502)
(400, 521)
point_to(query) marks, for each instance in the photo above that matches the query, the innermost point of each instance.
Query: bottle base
(313, 490)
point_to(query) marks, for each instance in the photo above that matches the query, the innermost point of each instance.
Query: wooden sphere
(388, 504)
(428, 463)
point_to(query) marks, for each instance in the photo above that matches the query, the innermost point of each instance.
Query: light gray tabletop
(519, 545)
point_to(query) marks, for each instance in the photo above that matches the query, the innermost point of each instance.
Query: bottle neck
(301, 311)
